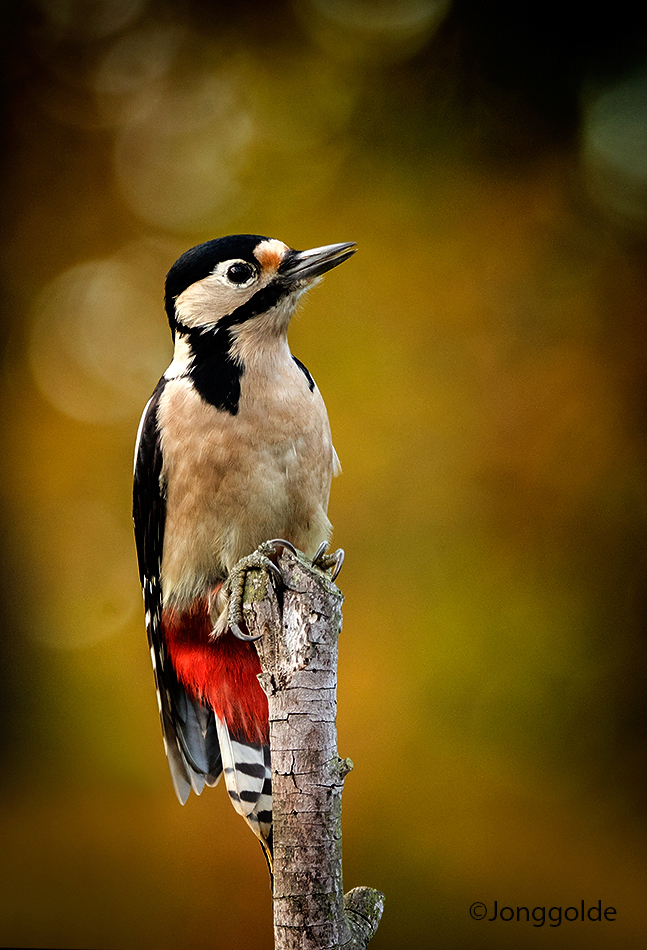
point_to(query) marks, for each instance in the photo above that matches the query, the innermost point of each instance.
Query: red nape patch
(221, 672)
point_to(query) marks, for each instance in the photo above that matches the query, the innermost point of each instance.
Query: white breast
(235, 481)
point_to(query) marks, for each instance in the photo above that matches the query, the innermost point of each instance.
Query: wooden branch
(298, 654)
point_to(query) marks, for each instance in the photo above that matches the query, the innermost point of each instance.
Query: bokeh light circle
(97, 341)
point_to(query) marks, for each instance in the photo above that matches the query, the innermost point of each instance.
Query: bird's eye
(240, 273)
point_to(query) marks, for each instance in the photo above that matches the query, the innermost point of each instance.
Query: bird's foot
(264, 558)
(229, 602)
(328, 562)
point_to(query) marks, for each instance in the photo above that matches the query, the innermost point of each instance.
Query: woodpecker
(233, 449)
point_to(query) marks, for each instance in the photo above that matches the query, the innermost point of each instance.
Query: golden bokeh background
(484, 365)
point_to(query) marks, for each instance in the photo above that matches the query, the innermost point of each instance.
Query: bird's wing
(188, 727)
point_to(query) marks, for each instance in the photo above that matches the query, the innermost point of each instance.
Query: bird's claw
(245, 637)
(264, 558)
(329, 562)
(339, 563)
(261, 559)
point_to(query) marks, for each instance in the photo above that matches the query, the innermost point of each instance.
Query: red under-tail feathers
(221, 672)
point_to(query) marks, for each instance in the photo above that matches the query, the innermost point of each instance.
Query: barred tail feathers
(248, 777)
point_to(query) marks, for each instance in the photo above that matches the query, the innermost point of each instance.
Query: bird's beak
(304, 265)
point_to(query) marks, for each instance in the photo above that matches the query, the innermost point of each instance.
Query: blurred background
(484, 366)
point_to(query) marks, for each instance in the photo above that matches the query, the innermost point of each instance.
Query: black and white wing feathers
(188, 727)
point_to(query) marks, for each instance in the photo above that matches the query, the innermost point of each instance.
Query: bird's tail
(248, 777)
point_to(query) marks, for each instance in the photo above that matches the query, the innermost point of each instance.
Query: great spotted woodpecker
(233, 449)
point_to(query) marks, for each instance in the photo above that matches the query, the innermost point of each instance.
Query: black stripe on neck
(215, 373)
(262, 301)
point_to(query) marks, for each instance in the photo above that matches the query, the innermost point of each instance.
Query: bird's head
(232, 282)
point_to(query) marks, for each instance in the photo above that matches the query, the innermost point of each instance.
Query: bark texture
(298, 654)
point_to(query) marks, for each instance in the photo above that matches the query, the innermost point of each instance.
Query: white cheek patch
(210, 299)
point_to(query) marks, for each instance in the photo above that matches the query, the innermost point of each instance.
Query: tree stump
(300, 626)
